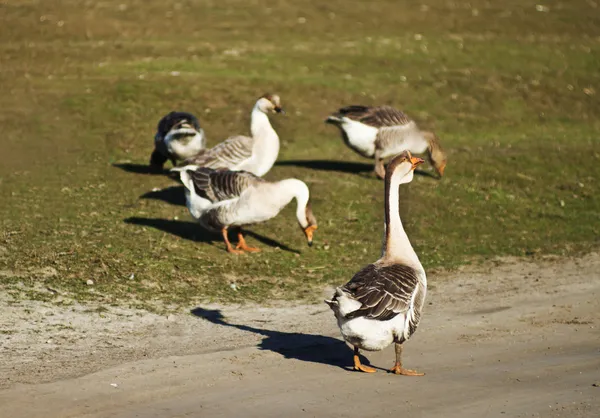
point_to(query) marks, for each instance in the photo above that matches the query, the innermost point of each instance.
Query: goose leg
(242, 244)
(398, 369)
(361, 367)
(230, 249)
(379, 168)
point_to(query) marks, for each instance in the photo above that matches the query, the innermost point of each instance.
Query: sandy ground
(510, 339)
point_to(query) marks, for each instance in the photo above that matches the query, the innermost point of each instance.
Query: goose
(220, 199)
(255, 154)
(380, 132)
(382, 303)
(178, 136)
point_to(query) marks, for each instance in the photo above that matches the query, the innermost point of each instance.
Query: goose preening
(380, 132)
(178, 136)
(255, 154)
(383, 301)
(220, 199)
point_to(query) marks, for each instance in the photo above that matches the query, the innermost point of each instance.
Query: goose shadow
(329, 165)
(364, 169)
(175, 195)
(291, 345)
(194, 232)
(143, 169)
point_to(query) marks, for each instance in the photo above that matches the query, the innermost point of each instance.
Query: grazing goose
(178, 136)
(382, 131)
(220, 199)
(255, 154)
(383, 302)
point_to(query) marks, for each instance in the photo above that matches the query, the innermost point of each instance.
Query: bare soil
(508, 339)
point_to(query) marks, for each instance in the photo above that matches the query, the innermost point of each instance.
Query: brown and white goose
(255, 154)
(220, 199)
(380, 132)
(382, 303)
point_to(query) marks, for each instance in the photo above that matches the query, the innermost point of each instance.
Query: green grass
(512, 93)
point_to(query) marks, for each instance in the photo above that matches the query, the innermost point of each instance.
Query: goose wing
(376, 116)
(383, 291)
(219, 185)
(227, 154)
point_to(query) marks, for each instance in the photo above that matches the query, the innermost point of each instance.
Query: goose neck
(397, 246)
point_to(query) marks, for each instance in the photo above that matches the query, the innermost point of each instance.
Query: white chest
(360, 137)
(264, 155)
(186, 147)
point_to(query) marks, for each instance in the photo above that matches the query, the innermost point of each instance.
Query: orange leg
(379, 167)
(398, 369)
(243, 246)
(230, 249)
(361, 367)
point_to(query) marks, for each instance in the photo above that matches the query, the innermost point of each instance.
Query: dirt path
(507, 340)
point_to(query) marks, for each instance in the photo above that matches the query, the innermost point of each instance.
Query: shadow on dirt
(292, 345)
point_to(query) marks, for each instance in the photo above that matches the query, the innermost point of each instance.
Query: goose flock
(224, 190)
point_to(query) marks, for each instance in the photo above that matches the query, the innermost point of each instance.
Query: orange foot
(234, 251)
(397, 369)
(244, 247)
(361, 367)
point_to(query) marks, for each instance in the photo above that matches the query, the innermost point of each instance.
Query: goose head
(270, 103)
(403, 166)
(436, 154)
(308, 223)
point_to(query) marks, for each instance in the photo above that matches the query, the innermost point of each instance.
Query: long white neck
(397, 246)
(266, 141)
(293, 188)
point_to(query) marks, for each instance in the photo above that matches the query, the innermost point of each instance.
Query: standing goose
(255, 154)
(178, 136)
(383, 302)
(220, 199)
(380, 132)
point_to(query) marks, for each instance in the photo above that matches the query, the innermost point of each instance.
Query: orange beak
(416, 162)
(308, 231)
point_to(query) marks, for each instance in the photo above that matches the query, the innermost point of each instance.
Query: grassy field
(512, 91)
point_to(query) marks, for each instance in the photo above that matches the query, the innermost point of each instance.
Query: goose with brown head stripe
(222, 199)
(255, 154)
(380, 132)
(382, 304)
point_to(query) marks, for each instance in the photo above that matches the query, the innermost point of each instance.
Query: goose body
(382, 303)
(381, 132)
(178, 136)
(220, 199)
(255, 154)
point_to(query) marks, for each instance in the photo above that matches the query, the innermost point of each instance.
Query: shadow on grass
(365, 169)
(292, 345)
(329, 165)
(427, 174)
(174, 195)
(194, 232)
(141, 169)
